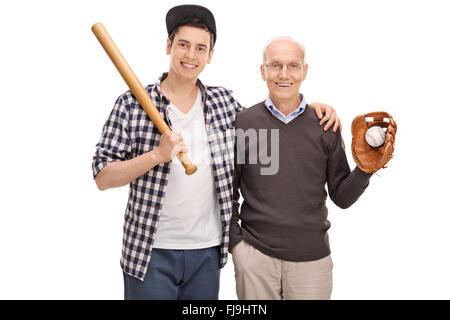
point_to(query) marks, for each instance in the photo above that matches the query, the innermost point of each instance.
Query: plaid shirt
(129, 132)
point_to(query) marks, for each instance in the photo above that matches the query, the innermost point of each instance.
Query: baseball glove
(367, 158)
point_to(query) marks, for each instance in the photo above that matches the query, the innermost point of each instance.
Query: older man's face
(283, 70)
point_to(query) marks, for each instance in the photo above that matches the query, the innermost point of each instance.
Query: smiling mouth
(189, 66)
(283, 85)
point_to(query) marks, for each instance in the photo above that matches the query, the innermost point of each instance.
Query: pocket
(324, 265)
(211, 258)
(330, 261)
(223, 125)
(239, 254)
(236, 247)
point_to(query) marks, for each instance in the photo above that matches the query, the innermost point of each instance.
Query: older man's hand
(330, 116)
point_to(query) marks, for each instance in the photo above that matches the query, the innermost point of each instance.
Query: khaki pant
(260, 277)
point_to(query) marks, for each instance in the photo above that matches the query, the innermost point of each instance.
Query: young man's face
(189, 52)
(284, 82)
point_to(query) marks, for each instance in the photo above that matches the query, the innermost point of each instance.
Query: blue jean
(177, 275)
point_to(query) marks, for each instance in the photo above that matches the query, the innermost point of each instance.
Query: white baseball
(375, 136)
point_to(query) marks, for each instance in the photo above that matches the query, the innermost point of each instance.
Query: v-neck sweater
(284, 215)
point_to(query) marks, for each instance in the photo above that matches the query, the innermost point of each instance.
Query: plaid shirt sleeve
(114, 144)
(238, 106)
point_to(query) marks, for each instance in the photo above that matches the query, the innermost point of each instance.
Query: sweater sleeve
(344, 186)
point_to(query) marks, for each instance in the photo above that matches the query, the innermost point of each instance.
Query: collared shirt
(129, 133)
(291, 116)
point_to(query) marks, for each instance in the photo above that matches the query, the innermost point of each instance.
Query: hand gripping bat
(136, 88)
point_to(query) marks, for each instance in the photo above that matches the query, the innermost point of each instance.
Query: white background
(60, 237)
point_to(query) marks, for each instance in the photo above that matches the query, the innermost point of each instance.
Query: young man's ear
(210, 56)
(168, 47)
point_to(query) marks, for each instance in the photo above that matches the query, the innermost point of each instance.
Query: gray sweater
(285, 215)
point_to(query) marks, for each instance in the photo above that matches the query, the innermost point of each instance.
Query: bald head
(283, 45)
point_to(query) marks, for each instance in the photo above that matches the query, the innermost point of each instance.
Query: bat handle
(187, 164)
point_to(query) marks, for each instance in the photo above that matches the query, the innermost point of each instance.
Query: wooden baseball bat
(137, 88)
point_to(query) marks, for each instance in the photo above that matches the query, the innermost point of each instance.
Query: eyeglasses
(291, 66)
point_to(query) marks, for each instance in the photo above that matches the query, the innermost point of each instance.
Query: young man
(281, 249)
(176, 226)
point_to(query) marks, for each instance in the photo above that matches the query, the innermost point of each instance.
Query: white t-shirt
(190, 215)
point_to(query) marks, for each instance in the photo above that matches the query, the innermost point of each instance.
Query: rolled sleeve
(115, 143)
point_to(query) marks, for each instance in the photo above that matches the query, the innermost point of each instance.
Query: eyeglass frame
(301, 64)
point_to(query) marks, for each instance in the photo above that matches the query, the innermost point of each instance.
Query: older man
(281, 248)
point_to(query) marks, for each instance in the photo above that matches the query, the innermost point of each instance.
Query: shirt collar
(271, 106)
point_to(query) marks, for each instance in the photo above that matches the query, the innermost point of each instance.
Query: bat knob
(190, 169)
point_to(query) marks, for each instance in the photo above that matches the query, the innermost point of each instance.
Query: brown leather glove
(367, 158)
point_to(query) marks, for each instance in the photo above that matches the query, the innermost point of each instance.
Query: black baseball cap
(179, 15)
